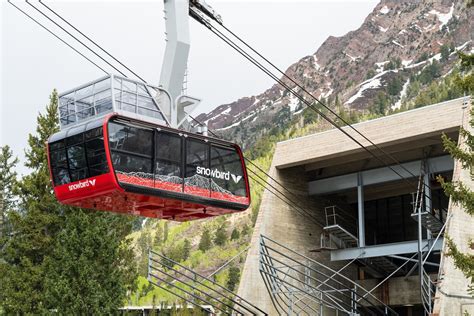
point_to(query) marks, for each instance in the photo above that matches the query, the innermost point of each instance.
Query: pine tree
(205, 243)
(8, 178)
(186, 249)
(92, 265)
(233, 278)
(61, 258)
(235, 234)
(159, 234)
(165, 232)
(34, 227)
(459, 192)
(220, 237)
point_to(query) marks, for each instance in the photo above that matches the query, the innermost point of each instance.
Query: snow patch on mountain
(370, 84)
(403, 93)
(352, 57)
(398, 44)
(315, 62)
(406, 63)
(384, 10)
(444, 17)
(293, 104)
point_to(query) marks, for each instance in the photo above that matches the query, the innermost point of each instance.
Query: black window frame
(77, 140)
(185, 160)
(180, 162)
(125, 152)
(228, 184)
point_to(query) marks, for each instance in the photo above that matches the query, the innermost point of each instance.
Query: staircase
(299, 285)
(341, 226)
(381, 265)
(429, 221)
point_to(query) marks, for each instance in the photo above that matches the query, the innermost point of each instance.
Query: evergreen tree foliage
(91, 267)
(186, 249)
(159, 234)
(166, 230)
(8, 178)
(235, 234)
(444, 50)
(205, 242)
(395, 86)
(381, 104)
(233, 278)
(61, 258)
(245, 230)
(34, 227)
(220, 237)
(459, 192)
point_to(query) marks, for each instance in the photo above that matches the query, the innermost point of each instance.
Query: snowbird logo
(236, 178)
(217, 174)
(82, 184)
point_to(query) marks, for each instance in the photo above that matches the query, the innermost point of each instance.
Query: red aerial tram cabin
(114, 161)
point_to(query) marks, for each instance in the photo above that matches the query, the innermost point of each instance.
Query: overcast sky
(33, 62)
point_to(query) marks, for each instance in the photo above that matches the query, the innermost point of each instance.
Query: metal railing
(299, 285)
(112, 94)
(195, 288)
(337, 216)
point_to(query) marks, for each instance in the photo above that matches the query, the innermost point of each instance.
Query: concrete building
(353, 225)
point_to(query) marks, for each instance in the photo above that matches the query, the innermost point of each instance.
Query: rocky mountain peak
(396, 40)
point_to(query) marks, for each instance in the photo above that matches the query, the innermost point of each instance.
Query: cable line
(74, 37)
(92, 41)
(247, 56)
(302, 99)
(59, 38)
(92, 62)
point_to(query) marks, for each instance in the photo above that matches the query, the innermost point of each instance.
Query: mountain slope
(396, 41)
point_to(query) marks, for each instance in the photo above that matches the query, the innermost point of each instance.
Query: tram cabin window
(78, 157)
(197, 161)
(131, 148)
(168, 156)
(228, 171)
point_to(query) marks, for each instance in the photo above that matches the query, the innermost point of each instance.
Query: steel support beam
(384, 250)
(426, 183)
(360, 209)
(378, 175)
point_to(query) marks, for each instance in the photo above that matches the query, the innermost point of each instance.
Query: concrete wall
(397, 290)
(278, 221)
(333, 145)
(451, 296)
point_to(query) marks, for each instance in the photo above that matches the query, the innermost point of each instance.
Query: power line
(74, 37)
(246, 55)
(302, 210)
(92, 41)
(302, 99)
(63, 41)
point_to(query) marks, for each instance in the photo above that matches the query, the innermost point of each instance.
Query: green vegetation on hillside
(60, 258)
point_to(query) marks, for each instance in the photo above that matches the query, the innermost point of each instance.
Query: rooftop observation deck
(113, 94)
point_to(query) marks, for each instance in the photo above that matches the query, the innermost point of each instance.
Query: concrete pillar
(360, 209)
